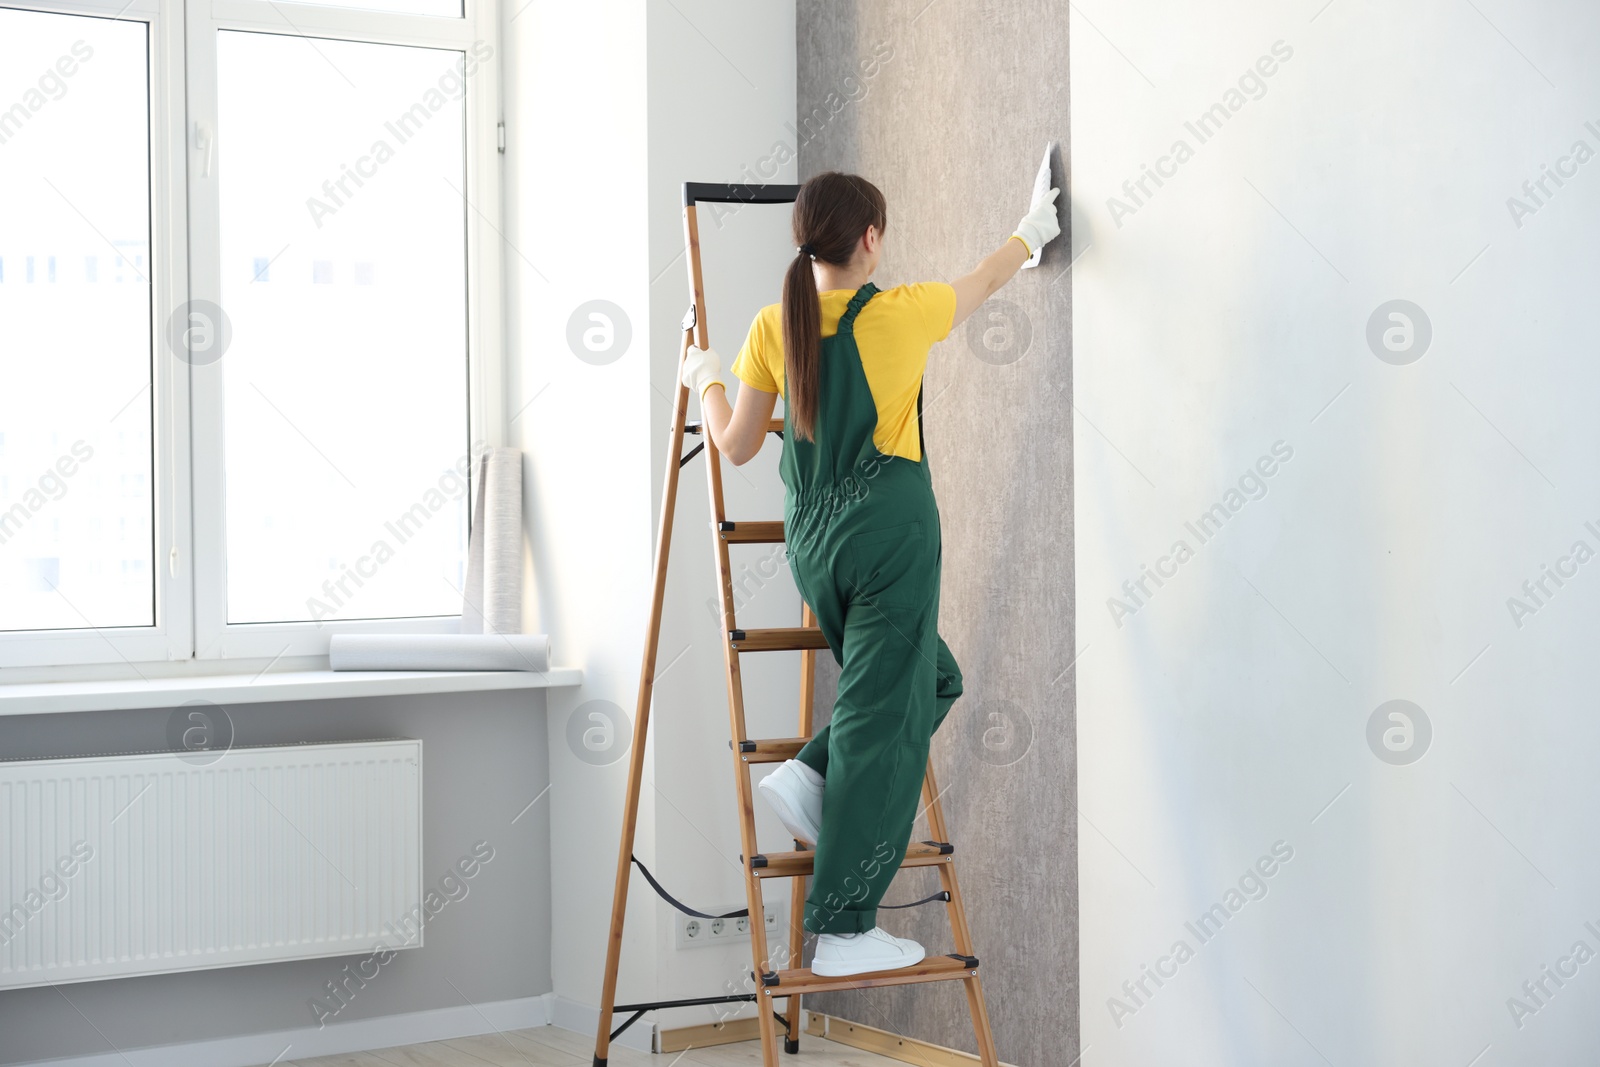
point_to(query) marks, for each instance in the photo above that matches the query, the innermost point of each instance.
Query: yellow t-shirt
(893, 333)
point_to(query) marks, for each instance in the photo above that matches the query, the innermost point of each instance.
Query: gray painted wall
(951, 127)
(484, 759)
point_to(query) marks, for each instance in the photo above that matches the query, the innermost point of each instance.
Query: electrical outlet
(694, 933)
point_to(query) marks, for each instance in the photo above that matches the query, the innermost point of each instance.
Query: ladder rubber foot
(791, 1045)
(600, 1061)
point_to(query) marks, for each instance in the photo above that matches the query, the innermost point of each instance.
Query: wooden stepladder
(773, 983)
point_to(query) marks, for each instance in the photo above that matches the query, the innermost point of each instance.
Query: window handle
(205, 140)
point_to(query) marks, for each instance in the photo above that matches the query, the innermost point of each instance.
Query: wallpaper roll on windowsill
(492, 598)
(439, 652)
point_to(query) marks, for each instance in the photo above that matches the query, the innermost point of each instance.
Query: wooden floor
(551, 1046)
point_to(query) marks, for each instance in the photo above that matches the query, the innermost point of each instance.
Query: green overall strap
(846, 416)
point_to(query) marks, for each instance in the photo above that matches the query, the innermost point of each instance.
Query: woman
(863, 536)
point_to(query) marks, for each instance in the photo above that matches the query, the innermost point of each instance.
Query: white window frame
(172, 636)
(190, 566)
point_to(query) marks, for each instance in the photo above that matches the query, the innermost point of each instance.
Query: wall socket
(695, 933)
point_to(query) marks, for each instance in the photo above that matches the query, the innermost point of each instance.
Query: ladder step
(800, 864)
(778, 639)
(772, 750)
(752, 533)
(931, 969)
(697, 426)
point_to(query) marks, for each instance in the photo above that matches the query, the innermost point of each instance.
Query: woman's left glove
(1040, 226)
(702, 368)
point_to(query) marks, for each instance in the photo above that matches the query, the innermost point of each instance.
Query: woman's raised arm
(1038, 228)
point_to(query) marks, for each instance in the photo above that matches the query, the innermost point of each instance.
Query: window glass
(344, 281)
(76, 492)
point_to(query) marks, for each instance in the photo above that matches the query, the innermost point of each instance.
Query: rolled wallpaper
(439, 652)
(492, 597)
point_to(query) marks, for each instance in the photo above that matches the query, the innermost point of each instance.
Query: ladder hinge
(726, 526)
(500, 136)
(771, 977)
(758, 861)
(945, 848)
(747, 746)
(969, 962)
(735, 635)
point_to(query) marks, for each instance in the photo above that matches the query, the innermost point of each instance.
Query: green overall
(864, 548)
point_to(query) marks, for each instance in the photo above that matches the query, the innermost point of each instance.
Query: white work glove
(702, 368)
(1040, 226)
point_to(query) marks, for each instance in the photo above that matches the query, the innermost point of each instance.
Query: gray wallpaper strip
(947, 106)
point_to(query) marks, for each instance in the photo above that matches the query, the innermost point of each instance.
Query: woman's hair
(831, 213)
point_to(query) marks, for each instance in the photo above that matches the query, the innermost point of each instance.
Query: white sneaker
(794, 792)
(876, 950)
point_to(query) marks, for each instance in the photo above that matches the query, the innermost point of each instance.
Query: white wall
(575, 161)
(722, 107)
(1229, 711)
(611, 107)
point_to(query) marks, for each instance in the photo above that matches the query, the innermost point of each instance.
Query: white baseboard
(585, 1019)
(357, 1035)
(363, 1035)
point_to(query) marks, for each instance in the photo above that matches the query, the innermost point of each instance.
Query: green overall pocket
(887, 566)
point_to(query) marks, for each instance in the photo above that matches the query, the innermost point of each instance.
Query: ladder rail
(959, 930)
(744, 790)
(797, 888)
(641, 720)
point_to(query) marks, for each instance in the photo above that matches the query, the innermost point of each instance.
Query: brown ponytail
(831, 213)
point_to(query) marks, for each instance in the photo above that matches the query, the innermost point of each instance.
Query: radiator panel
(155, 862)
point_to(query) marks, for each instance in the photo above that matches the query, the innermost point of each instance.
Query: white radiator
(154, 862)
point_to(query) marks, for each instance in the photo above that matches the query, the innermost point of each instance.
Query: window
(318, 188)
(75, 354)
(248, 286)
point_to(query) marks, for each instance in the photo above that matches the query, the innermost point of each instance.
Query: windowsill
(37, 698)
